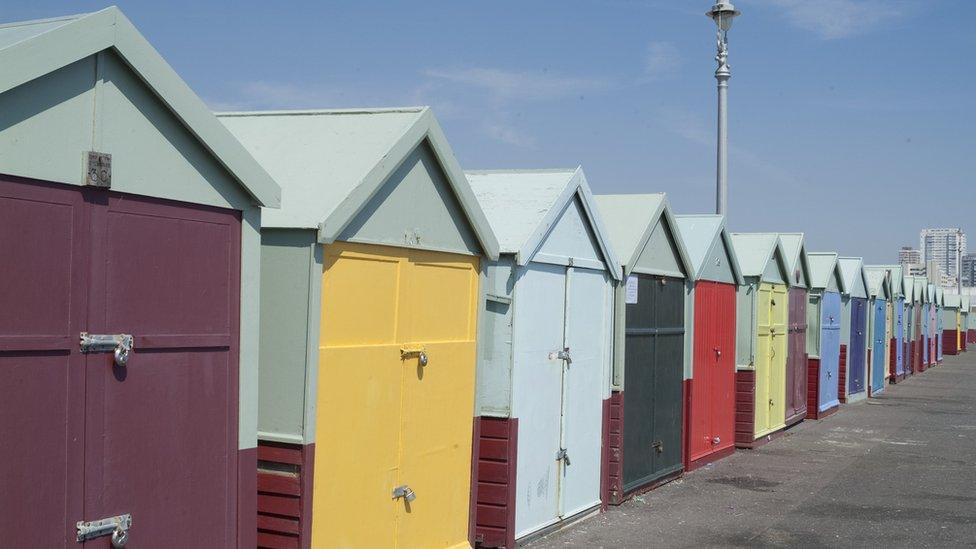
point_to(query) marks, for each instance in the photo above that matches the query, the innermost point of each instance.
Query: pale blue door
(829, 350)
(878, 355)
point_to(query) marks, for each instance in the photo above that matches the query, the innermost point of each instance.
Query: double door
(770, 359)
(879, 343)
(856, 354)
(653, 378)
(395, 397)
(152, 434)
(796, 368)
(561, 352)
(712, 421)
(830, 310)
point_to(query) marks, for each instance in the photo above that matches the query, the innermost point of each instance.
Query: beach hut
(951, 316)
(761, 338)
(933, 326)
(908, 282)
(927, 299)
(879, 327)
(921, 322)
(896, 356)
(940, 322)
(964, 305)
(709, 352)
(544, 354)
(852, 384)
(370, 281)
(128, 330)
(797, 358)
(823, 334)
(645, 412)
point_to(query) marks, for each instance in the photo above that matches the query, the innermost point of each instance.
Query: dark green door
(653, 368)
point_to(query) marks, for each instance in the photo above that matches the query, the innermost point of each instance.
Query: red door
(157, 438)
(712, 422)
(796, 368)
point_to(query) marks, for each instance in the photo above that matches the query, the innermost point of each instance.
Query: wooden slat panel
(279, 505)
(289, 454)
(271, 540)
(279, 484)
(278, 524)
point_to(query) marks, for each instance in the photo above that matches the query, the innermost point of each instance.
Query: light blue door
(899, 336)
(829, 350)
(878, 355)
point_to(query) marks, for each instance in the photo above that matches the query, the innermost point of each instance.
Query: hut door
(587, 299)
(829, 349)
(653, 381)
(899, 336)
(796, 374)
(779, 322)
(713, 385)
(878, 355)
(153, 436)
(856, 359)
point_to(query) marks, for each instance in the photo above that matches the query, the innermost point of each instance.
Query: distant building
(909, 256)
(945, 247)
(969, 270)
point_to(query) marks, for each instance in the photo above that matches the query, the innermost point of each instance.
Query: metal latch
(120, 344)
(658, 446)
(561, 355)
(716, 440)
(117, 526)
(563, 456)
(404, 492)
(420, 353)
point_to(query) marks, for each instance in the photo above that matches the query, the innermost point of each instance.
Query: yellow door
(779, 317)
(383, 419)
(763, 360)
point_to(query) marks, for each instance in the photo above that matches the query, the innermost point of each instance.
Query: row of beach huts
(314, 329)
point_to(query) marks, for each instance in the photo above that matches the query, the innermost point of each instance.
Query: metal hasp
(420, 353)
(561, 355)
(117, 527)
(404, 492)
(98, 170)
(563, 456)
(120, 344)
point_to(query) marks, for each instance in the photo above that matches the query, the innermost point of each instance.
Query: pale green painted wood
(689, 360)
(745, 325)
(494, 374)
(288, 258)
(855, 281)
(797, 261)
(415, 208)
(644, 234)
(660, 254)
(247, 421)
(813, 323)
(572, 241)
(774, 273)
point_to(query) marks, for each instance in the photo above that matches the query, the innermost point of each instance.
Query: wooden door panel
(639, 386)
(44, 244)
(668, 375)
(778, 318)
(763, 360)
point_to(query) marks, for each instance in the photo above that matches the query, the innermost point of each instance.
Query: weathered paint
(404, 422)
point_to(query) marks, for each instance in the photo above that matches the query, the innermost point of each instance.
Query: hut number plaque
(98, 170)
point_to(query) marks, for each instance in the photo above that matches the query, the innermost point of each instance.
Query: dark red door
(796, 368)
(157, 438)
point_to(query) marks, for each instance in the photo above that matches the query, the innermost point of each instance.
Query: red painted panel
(711, 423)
(813, 387)
(44, 243)
(797, 358)
(284, 494)
(745, 408)
(162, 439)
(842, 374)
(949, 342)
(494, 482)
(613, 492)
(893, 361)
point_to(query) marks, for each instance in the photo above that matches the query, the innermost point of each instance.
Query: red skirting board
(496, 442)
(284, 493)
(893, 361)
(613, 449)
(949, 342)
(813, 392)
(745, 408)
(842, 375)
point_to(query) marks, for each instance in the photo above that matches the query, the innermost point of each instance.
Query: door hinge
(117, 527)
(563, 455)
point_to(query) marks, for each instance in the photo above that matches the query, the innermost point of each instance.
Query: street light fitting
(723, 13)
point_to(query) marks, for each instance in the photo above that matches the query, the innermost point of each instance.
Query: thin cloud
(663, 59)
(836, 19)
(519, 85)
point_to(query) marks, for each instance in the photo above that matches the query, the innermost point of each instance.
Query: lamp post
(723, 12)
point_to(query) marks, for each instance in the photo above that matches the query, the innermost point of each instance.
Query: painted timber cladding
(648, 341)
(388, 229)
(709, 339)
(823, 316)
(762, 339)
(797, 357)
(854, 327)
(92, 82)
(549, 291)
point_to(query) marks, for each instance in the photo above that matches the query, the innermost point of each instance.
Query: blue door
(829, 350)
(878, 356)
(856, 360)
(899, 336)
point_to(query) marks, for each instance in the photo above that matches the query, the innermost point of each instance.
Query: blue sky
(850, 120)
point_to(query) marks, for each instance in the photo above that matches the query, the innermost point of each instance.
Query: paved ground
(896, 471)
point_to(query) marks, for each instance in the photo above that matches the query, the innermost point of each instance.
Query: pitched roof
(756, 250)
(32, 49)
(897, 281)
(796, 253)
(878, 282)
(522, 206)
(701, 233)
(331, 162)
(952, 301)
(630, 219)
(823, 265)
(851, 268)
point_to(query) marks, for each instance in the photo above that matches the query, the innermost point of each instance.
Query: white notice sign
(631, 290)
